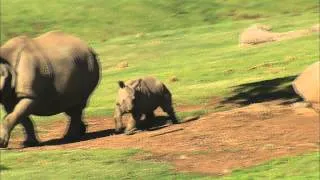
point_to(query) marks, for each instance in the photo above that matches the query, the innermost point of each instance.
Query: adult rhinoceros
(46, 75)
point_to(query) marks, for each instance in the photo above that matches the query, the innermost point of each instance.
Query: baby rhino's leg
(148, 121)
(132, 122)
(167, 107)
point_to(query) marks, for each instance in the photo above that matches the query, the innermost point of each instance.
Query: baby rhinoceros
(141, 97)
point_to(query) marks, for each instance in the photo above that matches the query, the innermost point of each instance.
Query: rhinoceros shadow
(264, 91)
(2, 168)
(158, 123)
(86, 137)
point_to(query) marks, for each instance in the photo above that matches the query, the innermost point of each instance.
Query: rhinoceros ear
(121, 84)
(3, 76)
(5, 72)
(2, 82)
(135, 84)
(13, 78)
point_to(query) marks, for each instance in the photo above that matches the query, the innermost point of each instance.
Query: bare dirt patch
(258, 34)
(122, 65)
(215, 144)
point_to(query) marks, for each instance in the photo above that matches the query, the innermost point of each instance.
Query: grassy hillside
(101, 20)
(196, 41)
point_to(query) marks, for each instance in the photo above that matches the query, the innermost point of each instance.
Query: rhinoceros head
(126, 96)
(7, 80)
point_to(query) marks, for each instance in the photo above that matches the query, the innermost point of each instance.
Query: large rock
(307, 84)
(257, 34)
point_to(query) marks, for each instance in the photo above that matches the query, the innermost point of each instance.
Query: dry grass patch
(259, 33)
(122, 65)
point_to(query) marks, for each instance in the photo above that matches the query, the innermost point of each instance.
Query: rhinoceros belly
(72, 85)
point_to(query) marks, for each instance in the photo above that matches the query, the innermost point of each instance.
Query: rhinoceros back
(151, 93)
(62, 72)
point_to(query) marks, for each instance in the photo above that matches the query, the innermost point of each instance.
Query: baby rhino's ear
(121, 84)
(7, 73)
(3, 76)
(135, 84)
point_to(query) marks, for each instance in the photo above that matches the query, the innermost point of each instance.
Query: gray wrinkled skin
(47, 75)
(141, 97)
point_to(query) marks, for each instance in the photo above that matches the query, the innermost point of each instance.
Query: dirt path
(214, 144)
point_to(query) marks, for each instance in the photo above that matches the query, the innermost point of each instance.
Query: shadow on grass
(3, 168)
(264, 91)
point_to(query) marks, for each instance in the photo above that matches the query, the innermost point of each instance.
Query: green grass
(83, 164)
(299, 167)
(100, 20)
(110, 164)
(195, 41)
(200, 58)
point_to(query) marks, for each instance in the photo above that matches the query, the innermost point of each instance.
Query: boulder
(307, 84)
(257, 34)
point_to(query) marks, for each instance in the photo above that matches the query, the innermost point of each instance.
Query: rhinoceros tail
(93, 61)
(94, 67)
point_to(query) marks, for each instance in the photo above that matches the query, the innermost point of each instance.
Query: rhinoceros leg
(76, 128)
(20, 111)
(170, 111)
(132, 122)
(148, 122)
(150, 116)
(31, 139)
(166, 106)
(118, 119)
